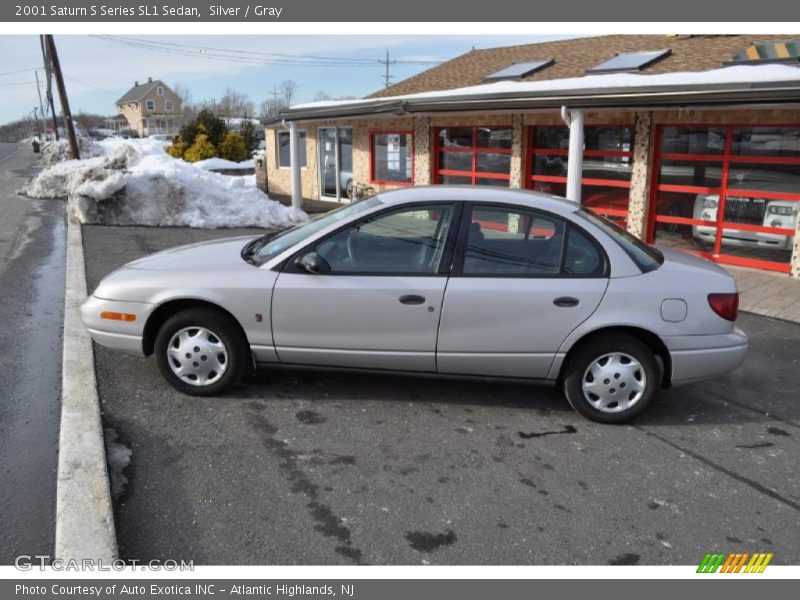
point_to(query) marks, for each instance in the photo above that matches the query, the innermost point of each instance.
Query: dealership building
(687, 141)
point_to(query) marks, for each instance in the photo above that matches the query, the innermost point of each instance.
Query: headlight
(775, 209)
(709, 203)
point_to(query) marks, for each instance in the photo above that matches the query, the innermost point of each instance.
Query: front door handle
(566, 301)
(412, 299)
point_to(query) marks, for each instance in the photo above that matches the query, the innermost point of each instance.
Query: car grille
(745, 210)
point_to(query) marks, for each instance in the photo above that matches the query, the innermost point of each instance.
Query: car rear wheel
(612, 379)
(201, 352)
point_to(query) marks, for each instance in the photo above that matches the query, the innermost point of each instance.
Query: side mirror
(313, 263)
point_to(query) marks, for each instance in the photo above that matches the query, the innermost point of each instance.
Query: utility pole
(274, 94)
(387, 78)
(62, 96)
(41, 106)
(49, 92)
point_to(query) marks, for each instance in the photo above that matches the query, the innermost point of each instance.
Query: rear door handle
(412, 299)
(566, 301)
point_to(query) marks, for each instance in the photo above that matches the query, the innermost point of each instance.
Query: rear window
(646, 257)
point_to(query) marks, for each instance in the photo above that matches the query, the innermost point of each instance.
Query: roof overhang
(762, 92)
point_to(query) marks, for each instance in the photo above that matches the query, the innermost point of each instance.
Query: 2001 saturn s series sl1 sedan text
(449, 280)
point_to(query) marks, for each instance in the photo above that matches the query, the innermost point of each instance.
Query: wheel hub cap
(614, 382)
(197, 356)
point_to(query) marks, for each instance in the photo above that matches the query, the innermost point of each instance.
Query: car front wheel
(611, 380)
(201, 352)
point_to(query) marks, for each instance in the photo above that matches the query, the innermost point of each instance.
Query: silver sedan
(456, 281)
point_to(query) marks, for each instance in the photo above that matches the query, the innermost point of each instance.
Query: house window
(730, 193)
(473, 156)
(151, 105)
(168, 105)
(392, 157)
(160, 91)
(607, 165)
(284, 156)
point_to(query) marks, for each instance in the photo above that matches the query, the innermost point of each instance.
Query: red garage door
(607, 163)
(730, 193)
(473, 155)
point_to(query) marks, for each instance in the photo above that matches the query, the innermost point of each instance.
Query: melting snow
(134, 182)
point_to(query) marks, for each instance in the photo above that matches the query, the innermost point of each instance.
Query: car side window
(581, 256)
(410, 240)
(507, 242)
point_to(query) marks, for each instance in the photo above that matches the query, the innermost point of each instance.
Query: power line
(250, 56)
(20, 71)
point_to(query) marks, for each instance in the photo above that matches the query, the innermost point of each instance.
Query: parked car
(459, 281)
(751, 210)
(12, 140)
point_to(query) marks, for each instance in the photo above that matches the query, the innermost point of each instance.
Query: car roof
(487, 194)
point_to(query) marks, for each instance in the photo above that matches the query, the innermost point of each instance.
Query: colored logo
(734, 562)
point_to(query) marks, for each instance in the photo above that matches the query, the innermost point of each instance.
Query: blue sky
(98, 71)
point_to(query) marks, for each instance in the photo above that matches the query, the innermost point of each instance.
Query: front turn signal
(115, 316)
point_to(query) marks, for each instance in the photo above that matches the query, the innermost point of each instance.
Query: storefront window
(392, 157)
(473, 155)
(284, 155)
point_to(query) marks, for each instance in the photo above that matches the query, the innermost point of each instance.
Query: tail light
(725, 305)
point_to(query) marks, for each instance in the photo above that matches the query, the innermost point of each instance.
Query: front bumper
(698, 357)
(117, 335)
(742, 238)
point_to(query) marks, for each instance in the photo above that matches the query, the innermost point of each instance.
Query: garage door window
(727, 192)
(284, 153)
(607, 165)
(473, 156)
(392, 157)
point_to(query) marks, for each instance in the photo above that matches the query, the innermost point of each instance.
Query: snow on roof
(742, 74)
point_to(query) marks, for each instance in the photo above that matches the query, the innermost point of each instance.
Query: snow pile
(218, 164)
(134, 182)
(56, 152)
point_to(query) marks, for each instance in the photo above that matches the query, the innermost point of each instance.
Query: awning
(744, 84)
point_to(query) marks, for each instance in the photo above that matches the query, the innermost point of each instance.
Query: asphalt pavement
(32, 238)
(314, 467)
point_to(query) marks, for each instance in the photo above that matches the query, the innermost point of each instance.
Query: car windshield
(272, 244)
(646, 257)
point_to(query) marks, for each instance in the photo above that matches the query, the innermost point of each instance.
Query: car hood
(211, 255)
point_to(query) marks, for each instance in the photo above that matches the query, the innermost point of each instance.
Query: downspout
(573, 119)
(294, 160)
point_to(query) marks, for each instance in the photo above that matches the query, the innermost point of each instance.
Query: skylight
(633, 61)
(519, 70)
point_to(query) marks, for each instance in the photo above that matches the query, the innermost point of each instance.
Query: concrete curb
(84, 516)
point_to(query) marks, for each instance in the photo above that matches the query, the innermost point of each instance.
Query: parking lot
(313, 467)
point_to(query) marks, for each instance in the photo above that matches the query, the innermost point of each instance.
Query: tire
(628, 389)
(223, 355)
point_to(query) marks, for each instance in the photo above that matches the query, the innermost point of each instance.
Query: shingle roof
(137, 92)
(574, 56)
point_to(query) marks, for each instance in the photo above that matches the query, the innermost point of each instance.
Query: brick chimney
(135, 84)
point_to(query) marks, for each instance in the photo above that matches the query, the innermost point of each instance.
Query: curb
(84, 515)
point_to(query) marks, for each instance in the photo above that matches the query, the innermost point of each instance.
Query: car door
(522, 281)
(376, 299)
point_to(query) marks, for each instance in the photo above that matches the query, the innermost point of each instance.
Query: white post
(574, 120)
(294, 154)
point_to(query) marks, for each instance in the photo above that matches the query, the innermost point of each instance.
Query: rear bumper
(698, 357)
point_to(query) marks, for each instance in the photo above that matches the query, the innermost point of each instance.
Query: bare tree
(322, 96)
(287, 92)
(234, 104)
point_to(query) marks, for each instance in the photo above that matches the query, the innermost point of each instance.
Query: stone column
(640, 176)
(422, 151)
(517, 152)
(796, 251)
